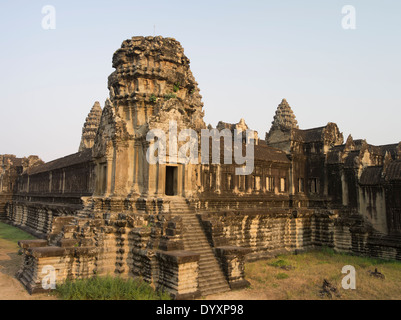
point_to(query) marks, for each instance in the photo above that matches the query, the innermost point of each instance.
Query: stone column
(109, 175)
(232, 260)
(152, 179)
(218, 179)
(179, 273)
(344, 188)
(135, 169)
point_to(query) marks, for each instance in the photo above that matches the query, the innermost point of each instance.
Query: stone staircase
(211, 277)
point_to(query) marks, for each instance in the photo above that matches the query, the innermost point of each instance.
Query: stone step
(208, 262)
(211, 277)
(214, 291)
(212, 286)
(190, 220)
(208, 289)
(195, 235)
(211, 281)
(198, 237)
(212, 264)
(196, 245)
(198, 249)
(209, 272)
(204, 257)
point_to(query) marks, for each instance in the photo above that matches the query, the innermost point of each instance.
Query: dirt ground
(243, 294)
(10, 287)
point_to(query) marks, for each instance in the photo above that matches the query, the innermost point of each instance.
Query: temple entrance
(171, 180)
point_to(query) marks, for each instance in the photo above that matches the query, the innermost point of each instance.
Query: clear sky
(245, 55)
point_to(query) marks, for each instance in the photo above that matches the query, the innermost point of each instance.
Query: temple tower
(90, 127)
(284, 122)
(284, 117)
(151, 86)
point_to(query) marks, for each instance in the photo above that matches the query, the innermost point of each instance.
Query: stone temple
(188, 228)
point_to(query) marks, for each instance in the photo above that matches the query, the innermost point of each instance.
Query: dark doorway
(171, 180)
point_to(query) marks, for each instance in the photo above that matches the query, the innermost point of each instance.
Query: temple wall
(393, 207)
(47, 194)
(372, 205)
(5, 197)
(265, 232)
(270, 233)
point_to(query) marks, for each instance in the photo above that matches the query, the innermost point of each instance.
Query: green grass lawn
(10, 234)
(301, 276)
(109, 288)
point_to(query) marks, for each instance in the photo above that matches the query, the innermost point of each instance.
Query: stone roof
(261, 152)
(334, 156)
(309, 135)
(350, 160)
(70, 160)
(391, 148)
(266, 153)
(393, 172)
(371, 176)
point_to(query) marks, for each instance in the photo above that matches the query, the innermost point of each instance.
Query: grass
(12, 234)
(109, 288)
(300, 276)
(170, 96)
(281, 275)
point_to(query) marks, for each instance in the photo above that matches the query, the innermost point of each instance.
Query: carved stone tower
(284, 122)
(285, 117)
(152, 85)
(90, 127)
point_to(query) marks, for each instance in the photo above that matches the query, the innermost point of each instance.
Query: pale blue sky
(245, 55)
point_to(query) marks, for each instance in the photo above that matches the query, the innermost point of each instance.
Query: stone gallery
(189, 227)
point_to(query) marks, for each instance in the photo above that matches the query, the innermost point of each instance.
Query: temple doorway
(171, 180)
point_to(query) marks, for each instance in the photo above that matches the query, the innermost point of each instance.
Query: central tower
(151, 86)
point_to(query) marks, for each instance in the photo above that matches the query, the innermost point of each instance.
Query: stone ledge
(239, 284)
(179, 256)
(45, 252)
(68, 243)
(26, 244)
(233, 250)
